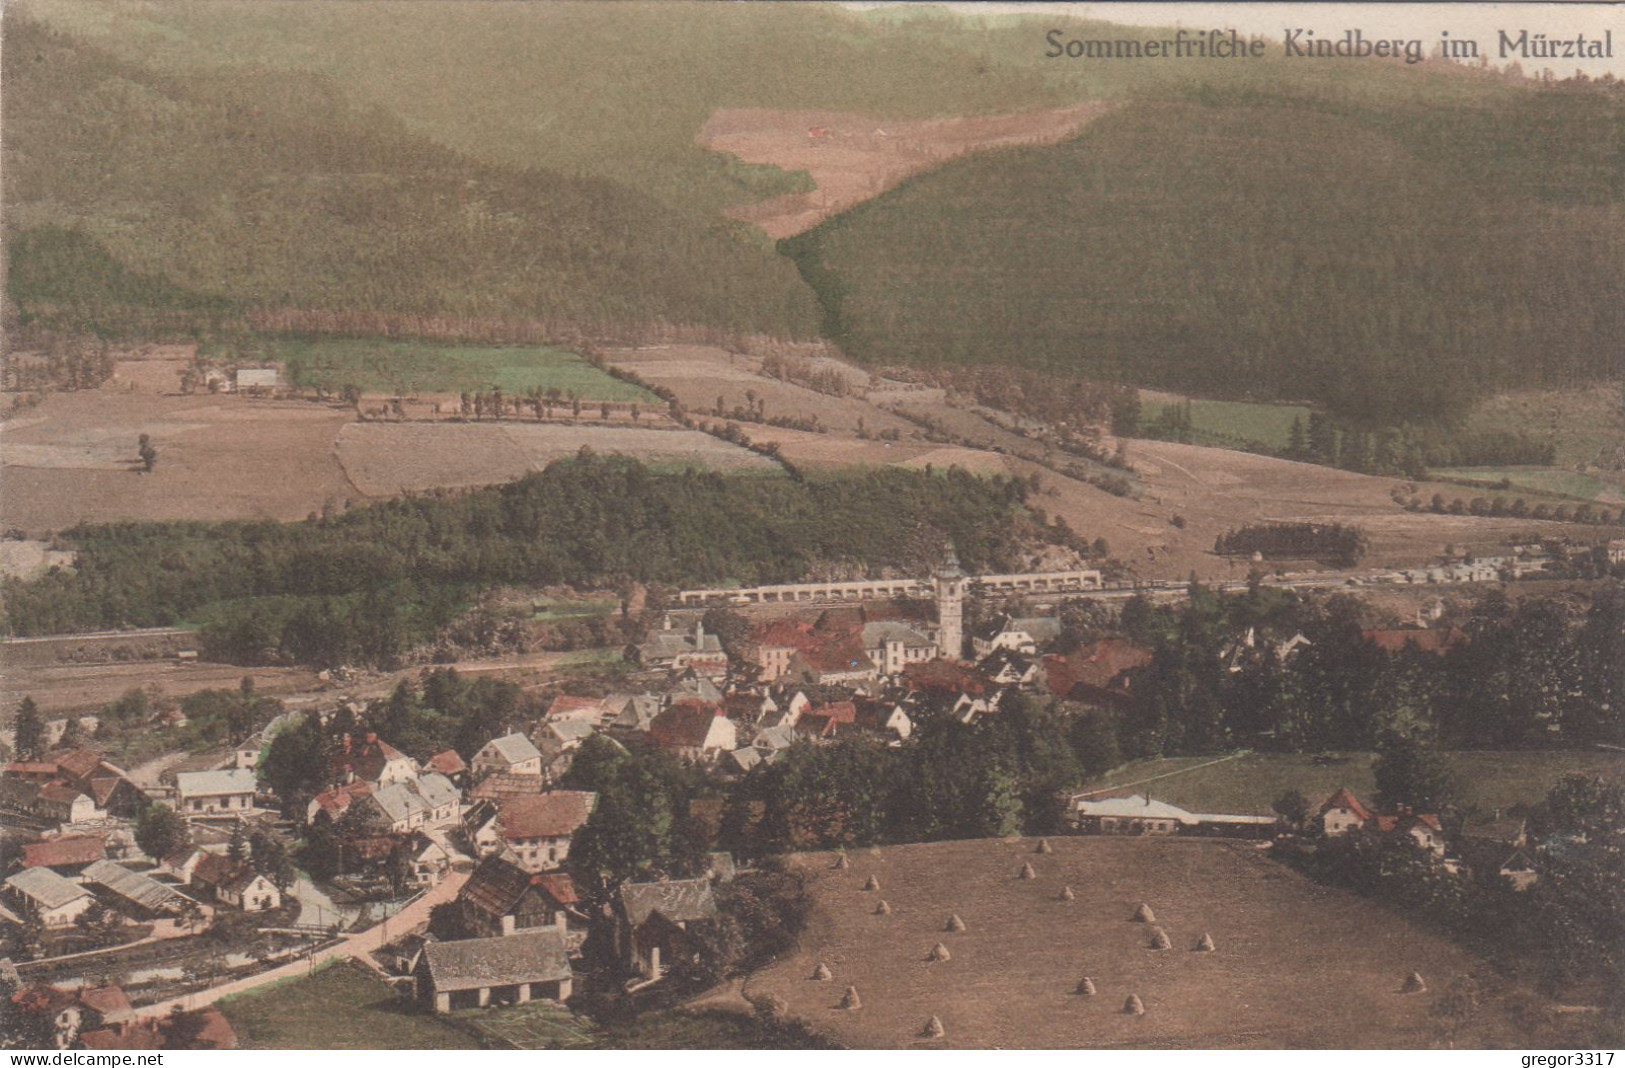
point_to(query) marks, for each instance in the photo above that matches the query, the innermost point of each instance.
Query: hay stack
(933, 1028)
(1159, 939)
(1026, 872)
(1143, 914)
(1204, 944)
(955, 925)
(1414, 984)
(1086, 987)
(850, 999)
(822, 973)
(938, 954)
(841, 863)
(1134, 1006)
(873, 883)
(883, 909)
(1066, 894)
(1044, 846)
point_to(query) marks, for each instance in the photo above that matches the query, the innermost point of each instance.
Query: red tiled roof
(365, 755)
(141, 1034)
(31, 769)
(684, 725)
(219, 871)
(59, 791)
(78, 763)
(1344, 798)
(559, 886)
(448, 763)
(816, 726)
(109, 1000)
(843, 712)
(1386, 824)
(837, 650)
(1428, 641)
(503, 786)
(1098, 665)
(564, 705)
(78, 849)
(551, 815)
(949, 676)
(783, 633)
(336, 801)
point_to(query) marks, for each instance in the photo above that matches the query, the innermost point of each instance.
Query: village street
(356, 946)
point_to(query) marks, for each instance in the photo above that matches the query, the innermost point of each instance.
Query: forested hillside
(1392, 263)
(366, 584)
(272, 190)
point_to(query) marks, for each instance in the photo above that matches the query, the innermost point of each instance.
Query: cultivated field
(83, 689)
(1487, 780)
(384, 459)
(1296, 965)
(410, 367)
(855, 157)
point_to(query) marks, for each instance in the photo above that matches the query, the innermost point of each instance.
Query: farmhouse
(682, 651)
(54, 801)
(1140, 815)
(652, 922)
(235, 884)
(509, 970)
(501, 898)
(449, 764)
(1024, 635)
(1342, 813)
(47, 897)
(368, 758)
(422, 801)
(72, 772)
(210, 792)
(512, 754)
(694, 731)
(537, 828)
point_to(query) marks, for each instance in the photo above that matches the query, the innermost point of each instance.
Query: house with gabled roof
(694, 731)
(1006, 667)
(682, 650)
(68, 855)
(892, 645)
(475, 972)
(512, 754)
(202, 793)
(1341, 813)
(234, 883)
(653, 921)
(423, 801)
(365, 756)
(1018, 635)
(448, 763)
(537, 829)
(336, 801)
(501, 898)
(1106, 665)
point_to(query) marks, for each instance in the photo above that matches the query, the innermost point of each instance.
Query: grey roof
(878, 634)
(400, 800)
(515, 748)
(536, 955)
(746, 758)
(130, 885)
(680, 900)
(46, 887)
(1042, 628)
(571, 730)
(214, 783)
(699, 688)
(639, 712)
(782, 736)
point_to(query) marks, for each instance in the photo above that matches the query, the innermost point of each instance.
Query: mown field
(1219, 422)
(411, 367)
(1551, 481)
(337, 1008)
(1585, 425)
(1251, 783)
(1297, 964)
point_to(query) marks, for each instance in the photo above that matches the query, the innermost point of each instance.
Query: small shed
(478, 971)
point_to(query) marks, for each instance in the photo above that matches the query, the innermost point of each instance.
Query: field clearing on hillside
(384, 459)
(337, 1008)
(1221, 422)
(1604, 488)
(72, 459)
(1487, 779)
(1584, 425)
(411, 367)
(59, 689)
(853, 157)
(1297, 965)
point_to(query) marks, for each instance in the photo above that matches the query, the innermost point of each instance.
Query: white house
(429, 800)
(512, 754)
(1017, 635)
(205, 792)
(46, 896)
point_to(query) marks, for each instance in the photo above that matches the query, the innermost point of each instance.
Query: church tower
(951, 583)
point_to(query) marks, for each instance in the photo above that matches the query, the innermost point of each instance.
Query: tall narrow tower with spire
(950, 579)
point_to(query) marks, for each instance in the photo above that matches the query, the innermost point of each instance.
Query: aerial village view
(806, 526)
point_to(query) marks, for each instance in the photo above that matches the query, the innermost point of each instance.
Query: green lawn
(536, 1025)
(547, 610)
(337, 1008)
(1218, 422)
(410, 367)
(1555, 481)
(1488, 780)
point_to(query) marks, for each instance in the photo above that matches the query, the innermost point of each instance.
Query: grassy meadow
(411, 367)
(1229, 423)
(339, 1007)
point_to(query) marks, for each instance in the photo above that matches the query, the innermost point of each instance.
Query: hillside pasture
(1297, 965)
(1487, 779)
(410, 367)
(1603, 487)
(1232, 423)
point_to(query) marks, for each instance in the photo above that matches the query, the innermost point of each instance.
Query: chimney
(507, 925)
(372, 737)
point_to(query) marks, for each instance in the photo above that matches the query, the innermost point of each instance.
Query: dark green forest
(128, 190)
(367, 584)
(1391, 263)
